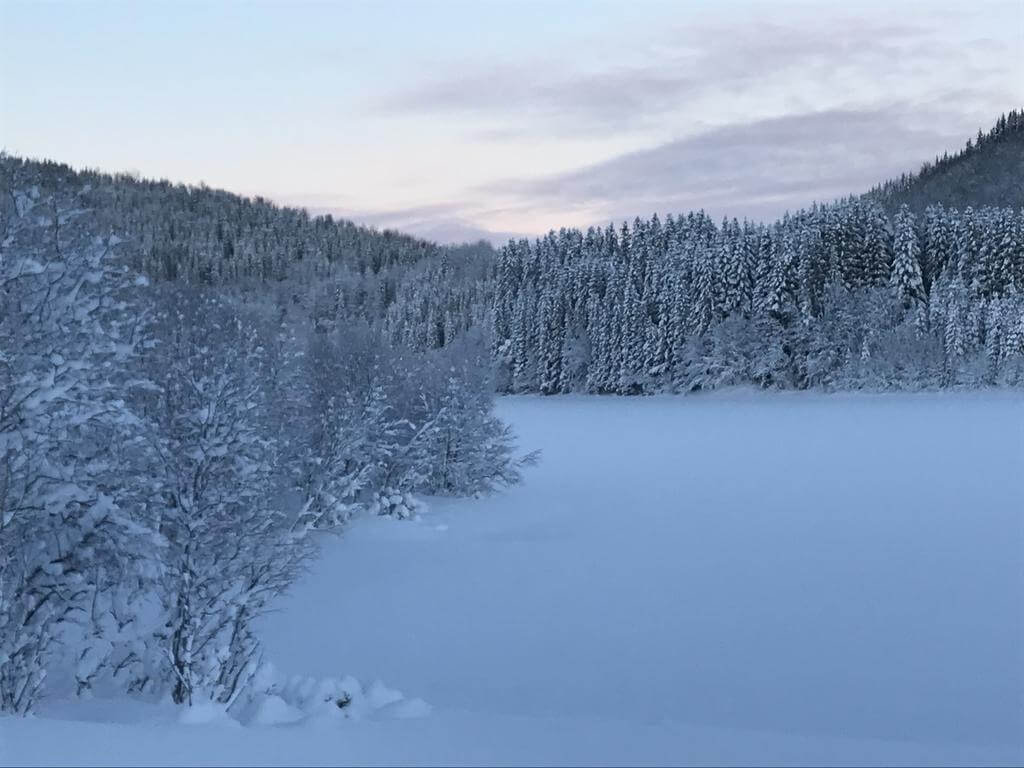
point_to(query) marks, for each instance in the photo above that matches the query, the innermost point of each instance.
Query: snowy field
(742, 578)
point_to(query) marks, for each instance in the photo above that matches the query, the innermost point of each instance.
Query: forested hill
(988, 171)
(209, 235)
(341, 271)
(916, 284)
(848, 295)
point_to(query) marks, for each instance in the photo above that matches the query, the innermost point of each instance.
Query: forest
(863, 293)
(196, 386)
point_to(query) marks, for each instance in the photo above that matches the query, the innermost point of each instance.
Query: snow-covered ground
(739, 578)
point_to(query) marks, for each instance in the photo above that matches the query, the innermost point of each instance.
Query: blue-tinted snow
(738, 578)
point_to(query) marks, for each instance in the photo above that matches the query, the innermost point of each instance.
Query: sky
(457, 120)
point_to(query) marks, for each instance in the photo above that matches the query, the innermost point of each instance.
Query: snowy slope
(739, 578)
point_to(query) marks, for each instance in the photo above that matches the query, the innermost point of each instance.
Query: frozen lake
(739, 578)
(825, 566)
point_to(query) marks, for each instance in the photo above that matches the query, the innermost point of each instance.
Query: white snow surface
(729, 579)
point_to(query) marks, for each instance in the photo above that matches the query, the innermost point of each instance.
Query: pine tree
(905, 280)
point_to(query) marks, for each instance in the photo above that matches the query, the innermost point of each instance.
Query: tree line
(839, 296)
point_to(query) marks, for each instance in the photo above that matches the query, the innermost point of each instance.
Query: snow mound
(206, 713)
(403, 506)
(290, 699)
(409, 709)
(273, 710)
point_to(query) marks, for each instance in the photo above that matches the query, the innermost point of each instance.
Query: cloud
(774, 67)
(606, 101)
(449, 222)
(747, 119)
(758, 169)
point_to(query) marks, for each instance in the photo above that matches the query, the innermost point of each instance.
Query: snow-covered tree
(66, 335)
(905, 278)
(216, 494)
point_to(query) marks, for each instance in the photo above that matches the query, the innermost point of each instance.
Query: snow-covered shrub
(387, 423)
(462, 447)
(276, 698)
(392, 503)
(212, 482)
(66, 336)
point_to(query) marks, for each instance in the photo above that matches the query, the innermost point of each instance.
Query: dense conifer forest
(873, 292)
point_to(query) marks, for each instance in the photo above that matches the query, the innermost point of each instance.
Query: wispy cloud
(474, 118)
(795, 65)
(745, 118)
(757, 169)
(449, 222)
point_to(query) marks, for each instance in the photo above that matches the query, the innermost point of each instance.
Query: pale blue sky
(455, 118)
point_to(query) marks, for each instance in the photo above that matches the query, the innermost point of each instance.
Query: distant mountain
(988, 171)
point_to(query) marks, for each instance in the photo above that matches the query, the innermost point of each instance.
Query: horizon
(494, 238)
(487, 121)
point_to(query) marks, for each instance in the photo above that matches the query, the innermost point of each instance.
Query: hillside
(916, 285)
(340, 272)
(855, 294)
(988, 171)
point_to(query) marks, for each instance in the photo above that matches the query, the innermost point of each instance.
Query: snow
(728, 579)
(205, 713)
